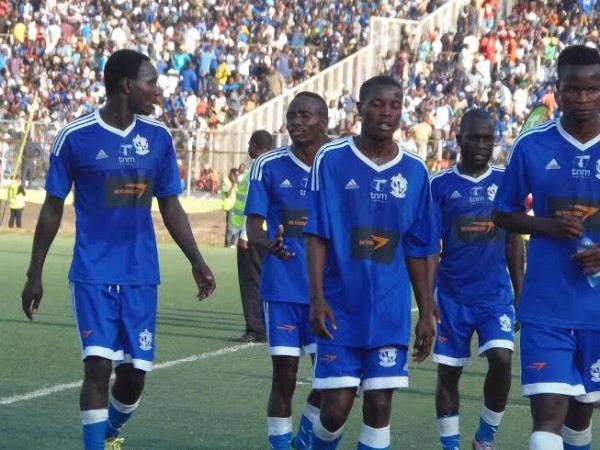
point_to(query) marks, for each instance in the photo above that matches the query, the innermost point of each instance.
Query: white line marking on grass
(165, 365)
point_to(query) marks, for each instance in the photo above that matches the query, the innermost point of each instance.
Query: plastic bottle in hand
(585, 243)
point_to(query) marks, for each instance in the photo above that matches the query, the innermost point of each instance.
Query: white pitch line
(165, 365)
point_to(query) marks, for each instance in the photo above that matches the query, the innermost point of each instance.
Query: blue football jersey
(473, 260)
(115, 173)
(373, 217)
(563, 175)
(278, 192)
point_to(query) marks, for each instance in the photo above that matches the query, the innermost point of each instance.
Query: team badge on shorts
(145, 339)
(595, 371)
(387, 356)
(505, 323)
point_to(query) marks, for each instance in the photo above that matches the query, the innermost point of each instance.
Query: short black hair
(323, 109)
(262, 139)
(473, 114)
(121, 64)
(577, 55)
(379, 80)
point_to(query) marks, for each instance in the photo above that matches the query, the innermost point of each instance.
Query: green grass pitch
(207, 391)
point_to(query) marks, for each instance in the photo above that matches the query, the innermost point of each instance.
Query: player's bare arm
(45, 232)
(554, 227)
(424, 330)
(258, 236)
(320, 312)
(179, 228)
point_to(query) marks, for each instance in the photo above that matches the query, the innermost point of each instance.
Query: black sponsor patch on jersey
(374, 243)
(129, 191)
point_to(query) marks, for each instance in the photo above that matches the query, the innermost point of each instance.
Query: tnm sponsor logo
(471, 229)
(129, 191)
(585, 210)
(293, 221)
(375, 244)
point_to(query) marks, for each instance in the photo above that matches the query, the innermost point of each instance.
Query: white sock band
(310, 411)
(323, 434)
(375, 437)
(448, 426)
(544, 440)
(91, 416)
(492, 417)
(279, 425)
(577, 438)
(123, 408)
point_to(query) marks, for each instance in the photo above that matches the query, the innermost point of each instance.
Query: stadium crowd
(216, 59)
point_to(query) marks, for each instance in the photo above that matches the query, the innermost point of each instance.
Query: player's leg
(384, 371)
(496, 342)
(285, 349)
(447, 405)
(577, 430)
(312, 406)
(94, 307)
(549, 377)
(137, 305)
(337, 375)
(452, 352)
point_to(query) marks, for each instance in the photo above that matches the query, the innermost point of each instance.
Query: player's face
(579, 92)
(144, 90)
(304, 123)
(380, 112)
(476, 142)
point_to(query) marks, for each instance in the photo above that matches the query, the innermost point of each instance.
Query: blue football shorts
(339, 367)
(560, 361)
(493, 324)
(288, 329)
(116, 322)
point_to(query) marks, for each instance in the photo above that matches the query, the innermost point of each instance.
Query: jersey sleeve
(167, 180)
(59, 178)
(420, 239)
(318, 216)
(257, 201)
(514, 187)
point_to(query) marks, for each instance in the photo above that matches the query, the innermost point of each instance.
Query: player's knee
(129, 383)
(333, 418)
(97, 370)
(579, 416)
(500, 359)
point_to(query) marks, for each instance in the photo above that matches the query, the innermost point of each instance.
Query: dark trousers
(249, 263)
(15, 217)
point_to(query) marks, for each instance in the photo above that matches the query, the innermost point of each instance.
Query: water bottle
(585, 243)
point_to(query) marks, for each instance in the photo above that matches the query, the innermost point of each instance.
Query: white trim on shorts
(335, 382)
(496, 343)
(141, 364)
(452, 362)
(590, 397)
(378, 383)
(281, 350)
(553, 388)
(103, 352)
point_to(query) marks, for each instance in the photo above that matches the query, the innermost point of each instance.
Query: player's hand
(566, 227)
(242, 243)
(320, 314)
(424, 334)
(205, 280)
(589, 260)
(32, 296)
(278, 248)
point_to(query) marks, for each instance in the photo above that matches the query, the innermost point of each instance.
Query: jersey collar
(107, 127)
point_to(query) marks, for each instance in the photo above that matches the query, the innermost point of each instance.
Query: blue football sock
(448, 428)
(279, 430)
(94, 426)
(280, 441)
(118, 415)
(489, 422)
(303, 438)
